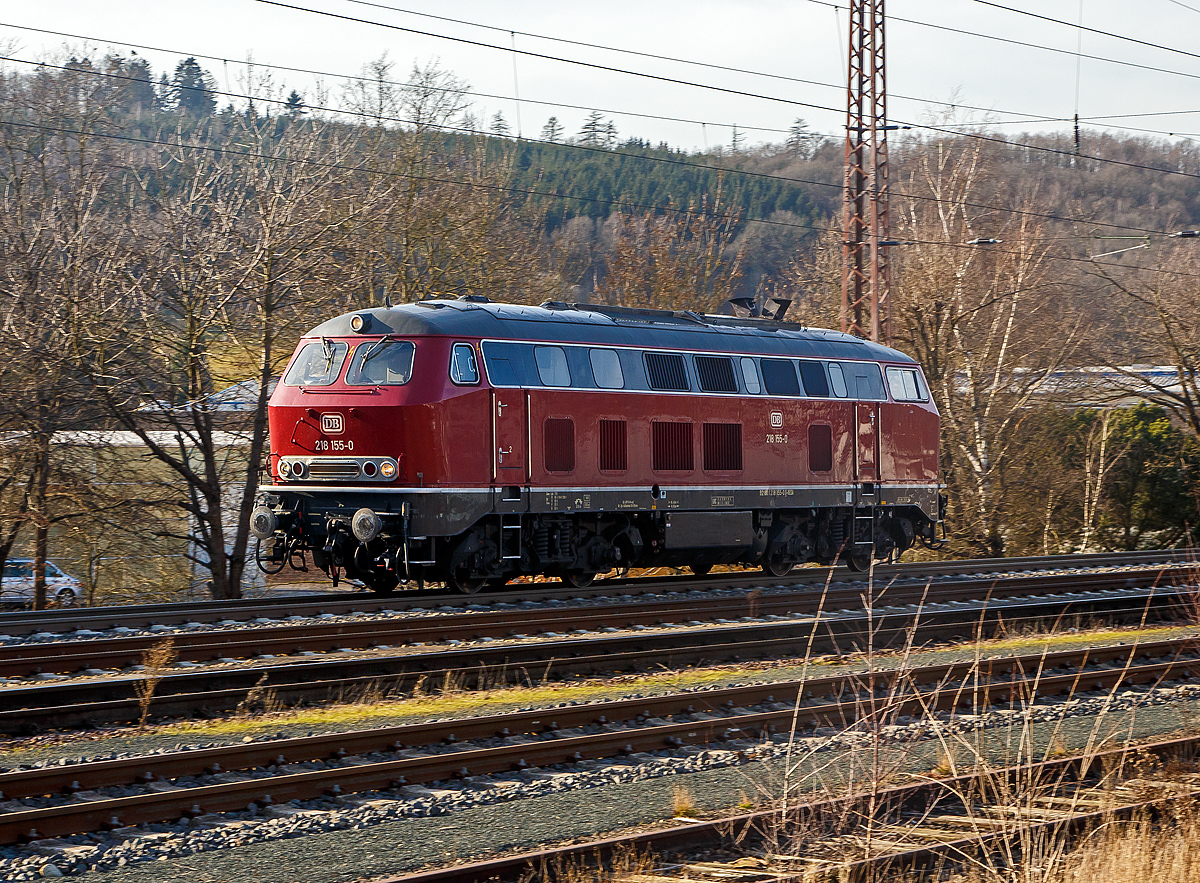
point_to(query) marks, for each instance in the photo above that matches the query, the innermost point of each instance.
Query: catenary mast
(865, 283)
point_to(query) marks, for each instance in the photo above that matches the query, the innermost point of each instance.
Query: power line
(575, 61)
(1013, 42)
(1025, 117)
(1184, 6)
(133, 139)
(1054, 150)
(784, 77)
(358, 78)
(525, 191)
(746, 94)
(1080, 27)
(1050, 216)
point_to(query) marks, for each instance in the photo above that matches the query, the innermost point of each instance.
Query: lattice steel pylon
(865, 283)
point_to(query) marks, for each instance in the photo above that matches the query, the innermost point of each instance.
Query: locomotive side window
(813, 375)
(552, 365)
(722, 447)
(905, 384)
(671, 446)
(666, 371)
(558, 436)
(820, 447)
(750, 375)
(614, 446)
(463, 369)
(837, 380)
(868, 381)
(716, 374)
(779, 375)
(317, 364)
(382, 363)
(606, 369)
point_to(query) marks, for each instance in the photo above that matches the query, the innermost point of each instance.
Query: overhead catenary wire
(1067, 24)
(722, 89)
(1022, 117)
(214, 149)
(669, 160)
(777, 76)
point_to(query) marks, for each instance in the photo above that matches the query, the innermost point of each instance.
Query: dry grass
(1141, 851)
(869, 762)
(682, 802)
(156, 660)
(625, 866)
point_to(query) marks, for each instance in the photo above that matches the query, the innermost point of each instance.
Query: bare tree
(449, 226)
(680, 260)
(236, 252)
(1157, 312)
(983, 319)
(57, 249)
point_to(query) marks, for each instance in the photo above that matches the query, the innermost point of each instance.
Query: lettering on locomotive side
(722, 500)
(776, 419)
(777, 438)
(627, 504)
(776, 492)
(334, 424)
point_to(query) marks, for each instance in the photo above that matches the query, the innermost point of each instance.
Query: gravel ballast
(346, 839)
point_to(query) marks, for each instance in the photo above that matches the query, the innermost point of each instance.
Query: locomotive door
(510, 437)
(866, 453)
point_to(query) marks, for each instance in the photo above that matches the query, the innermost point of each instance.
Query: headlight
(285, 469)
(387, 469)
(298, 469)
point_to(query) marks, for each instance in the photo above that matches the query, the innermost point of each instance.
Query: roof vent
(555, 305)
(475, 298)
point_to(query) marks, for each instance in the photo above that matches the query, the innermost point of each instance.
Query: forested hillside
(160, 243)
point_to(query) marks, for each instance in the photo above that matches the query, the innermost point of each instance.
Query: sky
(935, 74)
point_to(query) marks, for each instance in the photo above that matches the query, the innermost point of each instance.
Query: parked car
(62, 589)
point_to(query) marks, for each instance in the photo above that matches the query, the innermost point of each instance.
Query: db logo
(777, 418)
(333, 424)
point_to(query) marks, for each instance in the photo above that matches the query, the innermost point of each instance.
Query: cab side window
(463, 369)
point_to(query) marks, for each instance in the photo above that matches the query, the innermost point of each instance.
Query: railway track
(977, 820)
(231, 778)
(685, 632)
(288, 638)
(99, 619)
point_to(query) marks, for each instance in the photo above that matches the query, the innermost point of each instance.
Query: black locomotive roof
(605, 325)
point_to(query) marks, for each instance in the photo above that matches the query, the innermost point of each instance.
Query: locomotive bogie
(472, 443)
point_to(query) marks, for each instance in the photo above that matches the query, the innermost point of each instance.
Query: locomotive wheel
(462, 580)
(777, 566)
(859, 563)
(580, 579)
(700, 569)
(383, 584)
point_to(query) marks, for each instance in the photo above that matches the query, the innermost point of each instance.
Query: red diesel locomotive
(470, 442)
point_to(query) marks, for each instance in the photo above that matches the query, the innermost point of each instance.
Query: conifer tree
(193, 89)
(594, 131)
(552, 131)
(294, 106)
(499, 126)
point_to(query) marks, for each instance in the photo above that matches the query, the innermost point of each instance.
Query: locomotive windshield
(383, 362)
(317, 364)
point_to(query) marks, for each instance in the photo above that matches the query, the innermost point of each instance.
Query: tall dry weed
(155, 661)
